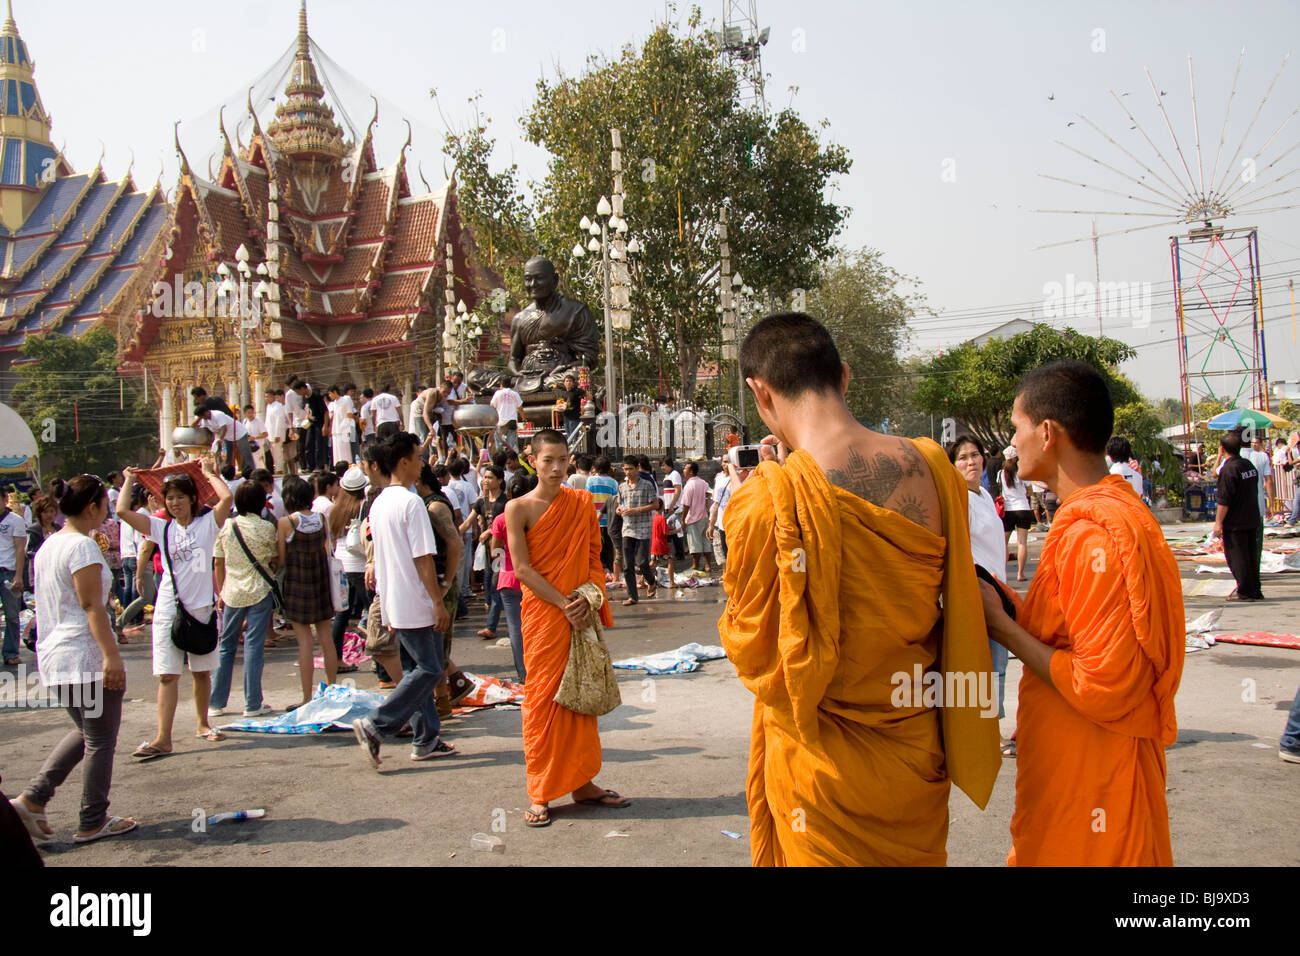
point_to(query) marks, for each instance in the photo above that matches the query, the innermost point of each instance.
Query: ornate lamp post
(248, 314)
(470, 327)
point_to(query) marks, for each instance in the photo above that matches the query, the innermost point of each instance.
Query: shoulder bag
(275, 587)
(589, 685)
(188, 632)
(1000, 503)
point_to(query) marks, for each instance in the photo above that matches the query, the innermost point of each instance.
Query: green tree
(491, 202)
(688, 149)
(1141, 424)
(100, 421)
(976, 384)
(867, 307)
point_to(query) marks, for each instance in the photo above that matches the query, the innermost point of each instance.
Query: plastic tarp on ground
(337, 705)
(681, 661)
(1270, 562)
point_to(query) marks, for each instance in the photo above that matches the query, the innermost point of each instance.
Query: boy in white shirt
(406, 580)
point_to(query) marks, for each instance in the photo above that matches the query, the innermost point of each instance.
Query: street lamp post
(615, 278)
(246, 313)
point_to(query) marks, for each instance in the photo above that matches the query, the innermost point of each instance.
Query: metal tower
(741, 42)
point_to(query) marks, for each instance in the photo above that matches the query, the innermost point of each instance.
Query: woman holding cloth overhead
(185, 538)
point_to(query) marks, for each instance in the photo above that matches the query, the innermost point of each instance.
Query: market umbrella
(1241, 417)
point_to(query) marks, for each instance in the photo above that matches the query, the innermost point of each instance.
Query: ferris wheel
(1162, 177)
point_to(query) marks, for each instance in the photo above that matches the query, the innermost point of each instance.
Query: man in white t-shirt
(507, 402)
(277, 434)
(13, 568)
(367, 414)
(257, 432)
(231, 433)
(343, 413)
(1118, 453)
(406, 579)
(386, 407)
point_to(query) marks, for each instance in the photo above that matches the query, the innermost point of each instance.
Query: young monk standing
(555, 548)
(1101, 638)
(838, 559)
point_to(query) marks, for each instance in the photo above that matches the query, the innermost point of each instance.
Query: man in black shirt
(318, 446)
(1237, 519)
(573, 397)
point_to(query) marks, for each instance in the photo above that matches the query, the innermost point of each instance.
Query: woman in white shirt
(349, 548)
(80, 663)
(185, 539)
(1018, 517)
(988, 544)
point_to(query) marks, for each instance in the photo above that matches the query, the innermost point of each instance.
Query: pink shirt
(506, 576)
(695, 498)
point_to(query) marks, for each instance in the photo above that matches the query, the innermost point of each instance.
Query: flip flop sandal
(147, 751)
(32, 821)
(603, 800)
(543, 818)
(111, 828)
(212, 735)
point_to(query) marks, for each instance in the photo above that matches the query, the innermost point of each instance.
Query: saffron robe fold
(1090, 767)
(561, 748)
(830, 598)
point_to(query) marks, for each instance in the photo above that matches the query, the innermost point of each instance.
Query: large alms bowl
(475, 417)
(187, 437)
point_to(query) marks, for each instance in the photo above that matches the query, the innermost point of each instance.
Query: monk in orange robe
(554, 538)
(851, 589)
(1101, 638)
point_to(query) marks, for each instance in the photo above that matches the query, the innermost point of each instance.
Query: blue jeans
(258, 618)
(1291, 735)
(512, 599)
(12, 604)
(999, 654)
(412, 699)
(128, 595)
(495, 607)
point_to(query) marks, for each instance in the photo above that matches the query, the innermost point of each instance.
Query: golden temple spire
(304, 125)
(31, 161)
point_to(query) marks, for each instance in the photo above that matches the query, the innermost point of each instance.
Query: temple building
(345, 270)
(77, 250)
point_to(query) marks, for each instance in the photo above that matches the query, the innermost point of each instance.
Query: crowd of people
(275, 537)
(859, 557)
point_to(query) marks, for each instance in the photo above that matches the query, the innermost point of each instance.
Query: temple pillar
(166, 421)
(259, 395)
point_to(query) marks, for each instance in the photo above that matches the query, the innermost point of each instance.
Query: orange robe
(1090, 767)
(561, 748)
(830, 598)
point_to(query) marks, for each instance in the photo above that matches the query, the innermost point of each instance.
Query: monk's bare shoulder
(890, 473)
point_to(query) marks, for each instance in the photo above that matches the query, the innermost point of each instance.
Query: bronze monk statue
(550, 338)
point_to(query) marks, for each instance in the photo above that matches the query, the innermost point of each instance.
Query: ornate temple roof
(71, 244)
(358, 258)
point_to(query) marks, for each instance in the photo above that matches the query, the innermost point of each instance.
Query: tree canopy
(688, 148)
(866, 306)
(976, 384)
(100, 421)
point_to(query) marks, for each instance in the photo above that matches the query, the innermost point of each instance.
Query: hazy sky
(944, 108)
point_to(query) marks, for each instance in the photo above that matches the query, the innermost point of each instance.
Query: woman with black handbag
(184, 618)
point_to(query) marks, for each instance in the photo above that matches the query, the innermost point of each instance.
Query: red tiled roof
(415, 234)
(372, 210)
(374, 334)
(400, 292)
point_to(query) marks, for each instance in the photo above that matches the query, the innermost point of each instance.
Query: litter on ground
(681, 661)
